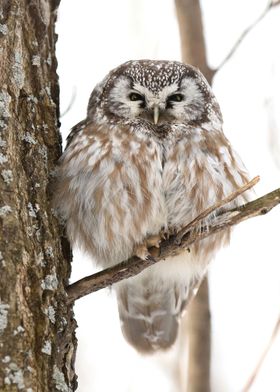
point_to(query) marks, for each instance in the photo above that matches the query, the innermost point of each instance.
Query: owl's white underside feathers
(122, 178)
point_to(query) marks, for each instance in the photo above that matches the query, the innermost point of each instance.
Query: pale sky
(94, 37)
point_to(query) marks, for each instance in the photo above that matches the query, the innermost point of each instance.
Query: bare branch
(269, 6)
(253, 377)
(170, 247)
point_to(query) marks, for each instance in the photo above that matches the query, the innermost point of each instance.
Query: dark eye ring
(136, 97)
(175, 97)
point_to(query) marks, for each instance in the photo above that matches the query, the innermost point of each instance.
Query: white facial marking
(189, 108)
(156, 99)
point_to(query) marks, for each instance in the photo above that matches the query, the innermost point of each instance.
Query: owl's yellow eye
(136, 97)
(176, 98)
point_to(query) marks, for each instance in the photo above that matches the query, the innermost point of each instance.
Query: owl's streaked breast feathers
(150, 156)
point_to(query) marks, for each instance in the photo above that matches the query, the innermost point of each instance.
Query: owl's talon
(164, 234)
(141, 251)
(153, 241)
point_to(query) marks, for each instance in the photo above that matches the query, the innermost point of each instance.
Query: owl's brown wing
(74, 131)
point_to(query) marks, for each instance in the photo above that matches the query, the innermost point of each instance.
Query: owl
(147, 159)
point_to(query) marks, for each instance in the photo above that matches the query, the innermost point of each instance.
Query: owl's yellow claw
(141, 251)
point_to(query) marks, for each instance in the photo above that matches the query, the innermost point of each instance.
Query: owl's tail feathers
(149, 316)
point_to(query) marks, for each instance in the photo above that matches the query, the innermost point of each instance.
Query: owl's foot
(164, 234)
(172, 231)
(152, 243)
(141, 251)
(153, 240)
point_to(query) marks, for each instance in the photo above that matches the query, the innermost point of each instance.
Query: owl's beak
(156, 114)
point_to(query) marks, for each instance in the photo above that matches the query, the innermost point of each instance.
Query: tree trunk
(37, 341)
(193, 46)
(197, 323)
(198, 326)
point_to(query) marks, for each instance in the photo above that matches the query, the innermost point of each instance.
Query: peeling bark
(37, 341)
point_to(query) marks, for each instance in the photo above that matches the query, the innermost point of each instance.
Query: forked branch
(176, 244)
(271, 4)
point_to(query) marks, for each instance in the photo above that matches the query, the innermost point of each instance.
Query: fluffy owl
(149, 157)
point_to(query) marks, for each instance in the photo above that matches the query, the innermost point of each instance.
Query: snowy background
(94, 37)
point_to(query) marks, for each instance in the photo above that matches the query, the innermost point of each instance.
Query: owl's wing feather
(74, 131)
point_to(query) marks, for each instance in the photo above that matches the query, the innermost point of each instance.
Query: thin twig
(72, 100)
(196, 221)
(269, 6)
(169, 247)
(253, 377)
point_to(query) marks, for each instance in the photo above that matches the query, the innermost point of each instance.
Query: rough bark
(37, 341)
(198, 320)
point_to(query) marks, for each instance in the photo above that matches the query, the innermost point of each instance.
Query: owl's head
(158, 92)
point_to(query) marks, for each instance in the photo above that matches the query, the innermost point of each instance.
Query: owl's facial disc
(182, 101)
